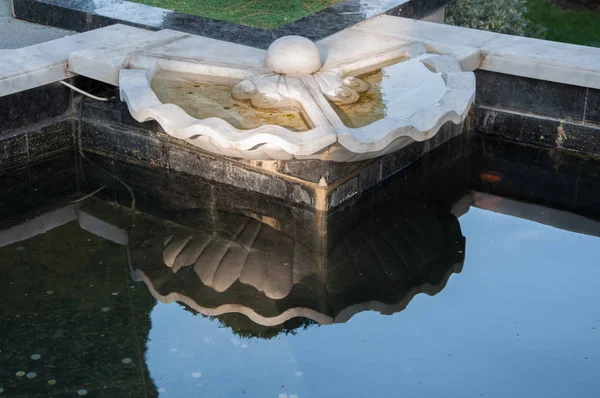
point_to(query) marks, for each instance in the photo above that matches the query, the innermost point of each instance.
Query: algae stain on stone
(370, 107)
(206, 99)
(561, 136)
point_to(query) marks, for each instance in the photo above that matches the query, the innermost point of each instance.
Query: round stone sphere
(293, 55)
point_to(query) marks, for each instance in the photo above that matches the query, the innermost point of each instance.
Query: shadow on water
(206, 289)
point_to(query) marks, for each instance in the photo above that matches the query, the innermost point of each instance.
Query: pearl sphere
(293, 55)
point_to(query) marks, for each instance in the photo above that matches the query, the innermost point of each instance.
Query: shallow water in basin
(456, 279)
(398, 90)
(202, 100)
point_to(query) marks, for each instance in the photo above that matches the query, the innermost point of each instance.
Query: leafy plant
(502, 16)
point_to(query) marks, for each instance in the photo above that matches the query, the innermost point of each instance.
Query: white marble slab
(103, 63)
(513, 55)
(386, 25)
(209, 50)
(29, 67)
(384, 30)
(544, 60)
(167, 50)
(350, 44)
(143, 14)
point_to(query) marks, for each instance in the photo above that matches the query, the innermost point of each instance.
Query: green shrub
(502, 16)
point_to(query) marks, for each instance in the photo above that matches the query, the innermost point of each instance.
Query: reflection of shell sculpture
(253, 269)
(254, 254)
(433, 89)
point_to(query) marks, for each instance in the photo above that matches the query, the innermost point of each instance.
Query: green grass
(566, 25)
(258, 13)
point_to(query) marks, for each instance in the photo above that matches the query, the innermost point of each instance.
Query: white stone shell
(432, 89)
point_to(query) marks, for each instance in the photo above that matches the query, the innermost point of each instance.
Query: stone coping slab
(513, 55)
(33, 66)
(83, 15)
(40, 64)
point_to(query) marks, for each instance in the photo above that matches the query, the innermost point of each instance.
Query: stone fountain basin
(406, 102)
(370, 96)
(218, 133)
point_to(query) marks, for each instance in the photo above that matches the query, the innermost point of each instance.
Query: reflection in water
(244, 266)
(65, 310)
(523, 310)
(236, 271)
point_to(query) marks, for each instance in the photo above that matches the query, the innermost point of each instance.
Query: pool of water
(202, 100)
(461, 276)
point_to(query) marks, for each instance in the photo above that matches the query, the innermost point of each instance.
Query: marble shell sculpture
(432, 89)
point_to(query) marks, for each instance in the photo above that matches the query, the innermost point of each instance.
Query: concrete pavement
(15, 33)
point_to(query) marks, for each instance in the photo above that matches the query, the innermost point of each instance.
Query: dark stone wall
(157, 150)
(532, 96)
(450, 141)
(539, 112)
(109, 130)
(33, 124)
(29, 107)
(20, 147)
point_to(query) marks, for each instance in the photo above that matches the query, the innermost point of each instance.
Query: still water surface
(518, 321)
(510, 310)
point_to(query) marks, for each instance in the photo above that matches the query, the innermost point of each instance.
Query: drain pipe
(80, 91)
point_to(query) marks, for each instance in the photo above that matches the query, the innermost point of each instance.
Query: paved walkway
(15, 33)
